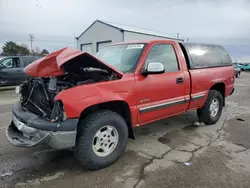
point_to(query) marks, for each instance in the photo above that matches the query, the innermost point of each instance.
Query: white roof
(134, 30)
(137, 30)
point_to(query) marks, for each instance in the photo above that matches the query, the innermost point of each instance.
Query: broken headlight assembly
(58, 113)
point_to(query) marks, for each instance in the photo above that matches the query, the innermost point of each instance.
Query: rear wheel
(210, 113)
(101, 139)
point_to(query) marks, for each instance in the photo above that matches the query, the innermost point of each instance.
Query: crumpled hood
(53, 64)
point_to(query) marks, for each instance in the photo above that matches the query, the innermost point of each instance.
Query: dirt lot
(170, 153)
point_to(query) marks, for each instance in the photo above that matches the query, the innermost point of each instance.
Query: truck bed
(204, 70)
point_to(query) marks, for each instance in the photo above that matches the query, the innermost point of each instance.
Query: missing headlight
(58, 114)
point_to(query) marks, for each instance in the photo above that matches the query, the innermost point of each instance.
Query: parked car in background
(93, 103)
(245, 67)
(11, 69)
(237, 70)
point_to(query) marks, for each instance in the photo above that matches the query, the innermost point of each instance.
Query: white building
(101, 33)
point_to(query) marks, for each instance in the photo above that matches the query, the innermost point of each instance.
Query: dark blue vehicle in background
(11, 69)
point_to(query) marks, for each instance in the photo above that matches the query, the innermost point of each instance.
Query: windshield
(123, 57)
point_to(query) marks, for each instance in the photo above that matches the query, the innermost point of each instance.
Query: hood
(65, 60)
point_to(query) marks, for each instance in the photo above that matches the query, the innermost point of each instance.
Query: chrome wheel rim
(105, 141)
(214, 107)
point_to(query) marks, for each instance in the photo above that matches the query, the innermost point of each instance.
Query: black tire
(204, 114)
(87, 129)
(199, 113)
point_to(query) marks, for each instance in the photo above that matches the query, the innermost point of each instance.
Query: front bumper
(5, 82)
(28, 130)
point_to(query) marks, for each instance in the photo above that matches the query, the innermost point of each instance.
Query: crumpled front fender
(76, 99)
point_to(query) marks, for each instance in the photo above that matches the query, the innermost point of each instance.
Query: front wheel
(101, 139)
(211, 111)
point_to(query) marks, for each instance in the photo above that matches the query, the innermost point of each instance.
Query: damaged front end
(37, 96)
(37, 117)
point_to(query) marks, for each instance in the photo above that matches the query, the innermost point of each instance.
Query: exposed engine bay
(37, 94)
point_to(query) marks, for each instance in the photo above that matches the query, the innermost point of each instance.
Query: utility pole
(32, 38)
(178, 35)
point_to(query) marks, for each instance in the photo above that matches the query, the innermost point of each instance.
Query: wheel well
(221, 88)
(120, 107)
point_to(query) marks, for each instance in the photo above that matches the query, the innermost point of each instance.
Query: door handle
(179, 80)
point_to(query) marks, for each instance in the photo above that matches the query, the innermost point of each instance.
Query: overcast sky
(55, 22)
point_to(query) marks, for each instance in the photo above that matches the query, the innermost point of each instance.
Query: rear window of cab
(201, 56)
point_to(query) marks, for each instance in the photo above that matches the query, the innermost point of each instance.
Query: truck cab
(11, 69)
(93, 103)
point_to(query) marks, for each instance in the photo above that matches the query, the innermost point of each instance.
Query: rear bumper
(28, 130)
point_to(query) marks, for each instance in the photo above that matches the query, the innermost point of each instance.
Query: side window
(165, 54)
(226, 59)
(204, 56)
(7, 63)
(27, 60)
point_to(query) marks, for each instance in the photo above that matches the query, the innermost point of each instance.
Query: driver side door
(165, 94)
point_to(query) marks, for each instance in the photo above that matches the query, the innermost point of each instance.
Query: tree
(11, 48)
(44, 52)
(37, 50)
(23, 50)
(24, 45)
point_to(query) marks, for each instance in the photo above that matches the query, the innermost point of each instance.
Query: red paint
(52, 64)
(134, 87)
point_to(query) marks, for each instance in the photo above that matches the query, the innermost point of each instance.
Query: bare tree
(24, 45)
(37, 50)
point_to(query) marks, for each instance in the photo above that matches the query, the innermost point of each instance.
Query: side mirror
(154, 68)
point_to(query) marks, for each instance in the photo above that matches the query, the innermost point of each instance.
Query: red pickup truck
(93, 103)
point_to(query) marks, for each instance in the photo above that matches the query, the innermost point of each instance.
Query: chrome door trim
(197, 97)
(161, 105)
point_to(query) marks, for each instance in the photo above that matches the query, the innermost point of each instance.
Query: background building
(101, 33)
